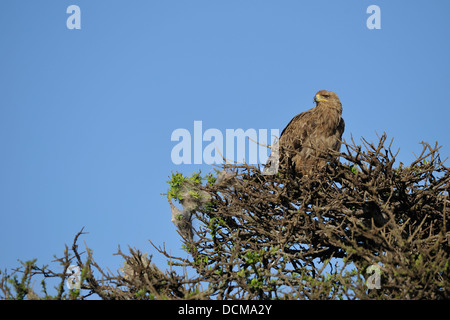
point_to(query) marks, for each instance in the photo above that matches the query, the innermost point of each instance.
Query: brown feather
(310, 135)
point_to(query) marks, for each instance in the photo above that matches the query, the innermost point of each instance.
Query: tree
(360, 228)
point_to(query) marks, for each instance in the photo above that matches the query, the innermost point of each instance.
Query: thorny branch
(287, 236)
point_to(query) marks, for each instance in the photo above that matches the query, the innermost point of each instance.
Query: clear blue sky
(86, 115)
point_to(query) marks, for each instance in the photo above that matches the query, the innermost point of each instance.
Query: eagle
(307, 140)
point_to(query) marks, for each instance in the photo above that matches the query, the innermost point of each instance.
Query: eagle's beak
(318, 98)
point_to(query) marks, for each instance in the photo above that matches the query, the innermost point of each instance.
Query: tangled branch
(288, 236)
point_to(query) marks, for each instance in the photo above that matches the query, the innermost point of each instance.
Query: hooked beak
(318, 98)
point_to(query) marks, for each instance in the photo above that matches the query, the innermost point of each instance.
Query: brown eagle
(307, 139)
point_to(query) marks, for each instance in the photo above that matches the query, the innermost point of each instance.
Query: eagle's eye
(326, 95)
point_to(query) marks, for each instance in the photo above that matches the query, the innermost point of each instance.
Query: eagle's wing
(298, 129)
(304, 134)
(287, 138)
(340, 128)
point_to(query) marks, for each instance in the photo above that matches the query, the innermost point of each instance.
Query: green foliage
(21, 287)
(210, 178)
(181, 186)
(175, 184)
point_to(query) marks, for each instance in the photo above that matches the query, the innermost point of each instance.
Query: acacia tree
(359, 228)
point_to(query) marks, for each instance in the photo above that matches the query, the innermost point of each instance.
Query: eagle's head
(325, 97)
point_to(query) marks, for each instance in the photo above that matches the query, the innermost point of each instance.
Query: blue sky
(86, 116)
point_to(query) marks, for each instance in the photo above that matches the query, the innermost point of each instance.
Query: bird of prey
(308, 138)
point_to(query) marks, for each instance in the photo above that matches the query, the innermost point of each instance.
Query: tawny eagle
(308, 138)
